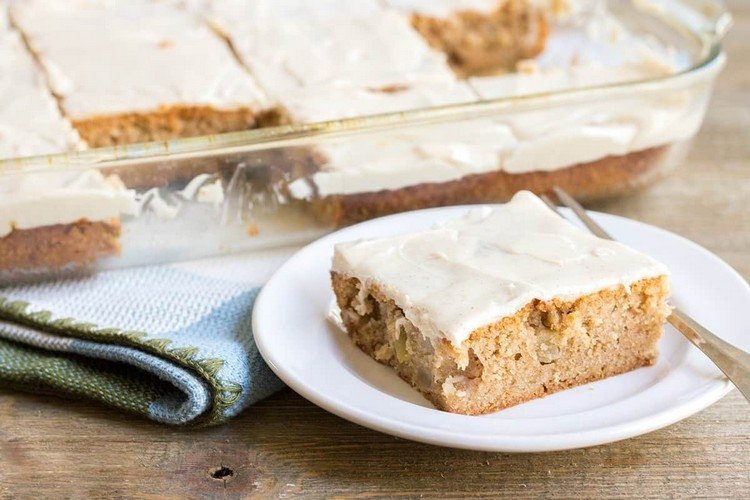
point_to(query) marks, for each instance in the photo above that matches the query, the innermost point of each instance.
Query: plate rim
(442, 437)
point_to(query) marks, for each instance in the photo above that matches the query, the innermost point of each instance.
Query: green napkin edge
(45, 372)
(224, 394)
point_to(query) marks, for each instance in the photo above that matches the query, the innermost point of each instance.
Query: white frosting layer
(443, 8)
(468, 273)
(303, 43)
(30, 122)
(107, 57)
(29, 200)
(409, 156)
(335, 102)
(37, 199)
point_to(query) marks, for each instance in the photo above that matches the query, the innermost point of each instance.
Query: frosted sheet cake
(501, 306)
(331, 60)
(264, 62)
(336, 59)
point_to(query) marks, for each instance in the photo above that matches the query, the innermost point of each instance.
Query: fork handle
(734, 362)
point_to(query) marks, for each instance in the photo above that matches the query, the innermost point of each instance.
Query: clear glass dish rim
(299, 134)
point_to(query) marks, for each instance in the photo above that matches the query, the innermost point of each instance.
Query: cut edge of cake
(481, 41)
(61, 220)
(59, 246)
(172, 122)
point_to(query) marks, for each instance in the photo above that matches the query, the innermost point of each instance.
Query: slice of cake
(335, 59)
(30, 122)
(288, 44)
(501, 306)
(139, 70)
(480, 37)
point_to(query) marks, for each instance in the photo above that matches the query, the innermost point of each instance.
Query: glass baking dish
(80, 212)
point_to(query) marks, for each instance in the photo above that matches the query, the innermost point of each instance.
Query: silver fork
(734, 362)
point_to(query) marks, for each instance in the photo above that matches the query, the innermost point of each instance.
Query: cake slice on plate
(501, 306)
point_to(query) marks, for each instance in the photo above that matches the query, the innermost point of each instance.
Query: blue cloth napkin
(171, 342)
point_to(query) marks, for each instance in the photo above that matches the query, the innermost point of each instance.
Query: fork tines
(577, 209)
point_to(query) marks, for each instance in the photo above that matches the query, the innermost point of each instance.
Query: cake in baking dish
(143, 70)
(139, 70)
(501, 306)
(593, 149)
(122, 72)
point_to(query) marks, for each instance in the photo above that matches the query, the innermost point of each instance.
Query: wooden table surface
(286, 446)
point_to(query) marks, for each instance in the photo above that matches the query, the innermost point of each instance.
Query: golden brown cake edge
(171, 122)
(606, 177)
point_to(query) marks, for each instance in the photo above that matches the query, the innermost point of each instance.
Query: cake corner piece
(166, 96)
(545, 306)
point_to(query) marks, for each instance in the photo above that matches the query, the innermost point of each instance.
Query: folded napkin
(172, 342)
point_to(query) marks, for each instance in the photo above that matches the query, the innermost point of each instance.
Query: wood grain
(285, 446)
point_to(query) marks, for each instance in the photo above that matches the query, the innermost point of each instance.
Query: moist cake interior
(546, 347)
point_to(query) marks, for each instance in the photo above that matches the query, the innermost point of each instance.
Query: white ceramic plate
(319, 362)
